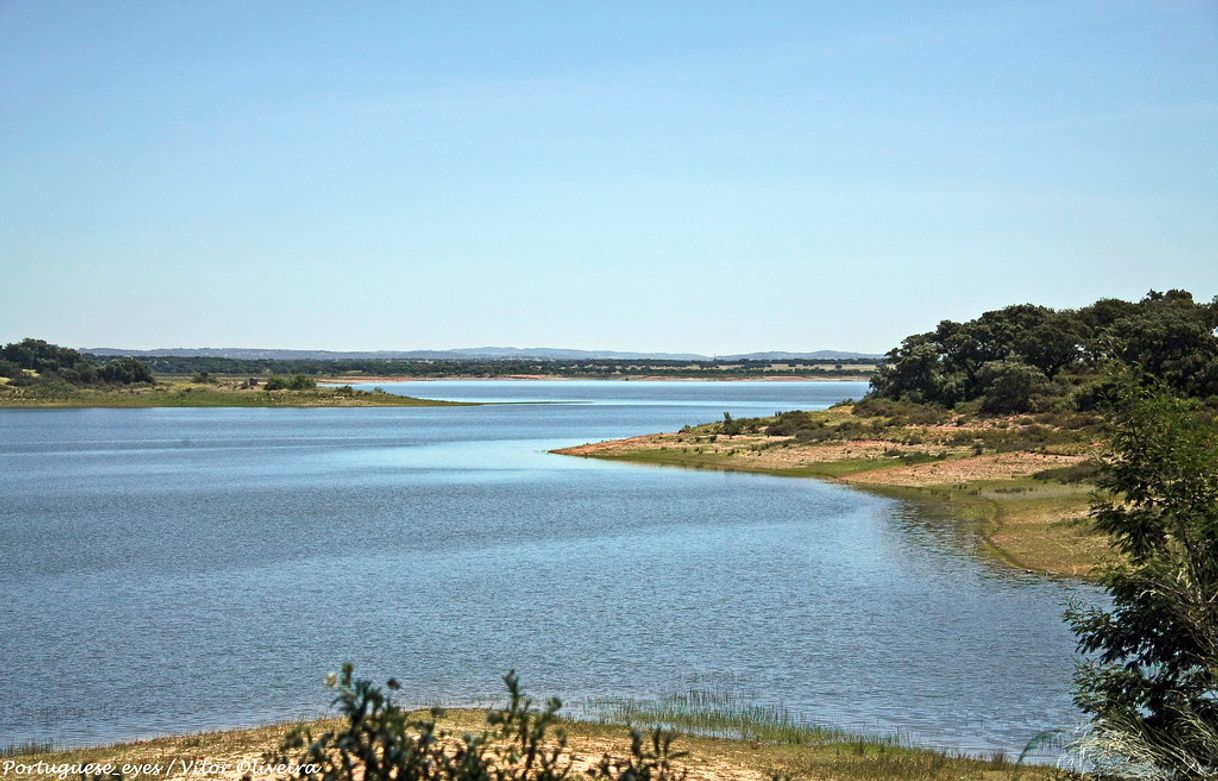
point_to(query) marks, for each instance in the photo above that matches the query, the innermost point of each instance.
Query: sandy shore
(234, 754)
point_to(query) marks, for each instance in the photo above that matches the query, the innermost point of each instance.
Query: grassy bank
(1019, 481)
(180, 393)
(760, 746)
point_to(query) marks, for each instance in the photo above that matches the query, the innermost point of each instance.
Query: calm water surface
(182, 569)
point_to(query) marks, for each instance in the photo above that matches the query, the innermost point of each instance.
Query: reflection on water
(184, 569)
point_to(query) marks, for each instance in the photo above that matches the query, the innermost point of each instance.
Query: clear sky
(712, 177)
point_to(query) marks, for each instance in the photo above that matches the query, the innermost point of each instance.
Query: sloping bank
(1020, 481)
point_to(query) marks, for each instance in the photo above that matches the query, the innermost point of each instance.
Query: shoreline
(173, 392)
(807, 752)
(362, 379)
(199, 395)
(1021, 518)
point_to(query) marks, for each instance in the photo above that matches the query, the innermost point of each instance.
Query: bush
(901, 412)
(296, 382)
(381, 742)
(125, 371)
(785, 424)
(1082, 472)
(1150, 683)
(1010, 386)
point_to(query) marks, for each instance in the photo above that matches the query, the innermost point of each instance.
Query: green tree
(296, 382)
(1171, 339)
(42, 356)
(1010, 386)
(1053, 344)
(914, 371)
(125, 371)
(1168, 335)
(1150, 683)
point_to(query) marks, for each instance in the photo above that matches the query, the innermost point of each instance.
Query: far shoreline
(362, 379)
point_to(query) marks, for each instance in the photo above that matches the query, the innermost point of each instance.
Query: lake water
(184, 569)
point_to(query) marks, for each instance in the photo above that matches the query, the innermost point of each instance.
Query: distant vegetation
(490, 368)
(296, 382)
(37, 362)
(36, 373)
(1028, 358)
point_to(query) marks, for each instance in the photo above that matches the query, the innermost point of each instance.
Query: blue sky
(712, 177)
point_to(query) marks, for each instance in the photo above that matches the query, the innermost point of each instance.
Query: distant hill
(468, 353)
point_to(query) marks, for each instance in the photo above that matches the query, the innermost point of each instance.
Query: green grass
(717, 713)
(1023, 522)
(790, 745)
(26, 747)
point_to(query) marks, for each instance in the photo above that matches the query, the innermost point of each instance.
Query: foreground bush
(380, 741)
(1151, 682)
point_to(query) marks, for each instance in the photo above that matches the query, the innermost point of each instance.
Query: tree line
(590, 368)
(1030, 358)
(35, 361)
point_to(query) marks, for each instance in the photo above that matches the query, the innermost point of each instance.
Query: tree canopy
(52, 363)
(1024, 356)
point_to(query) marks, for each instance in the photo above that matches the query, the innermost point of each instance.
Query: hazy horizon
(678, 177)
(464, 348)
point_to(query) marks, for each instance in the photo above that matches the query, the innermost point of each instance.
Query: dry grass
(1047, 530)
(965, 469)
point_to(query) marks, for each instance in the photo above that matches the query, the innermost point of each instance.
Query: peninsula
(1020, 480)
(37, 374)
(999, 421)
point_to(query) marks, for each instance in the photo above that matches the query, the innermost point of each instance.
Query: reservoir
(172, 570)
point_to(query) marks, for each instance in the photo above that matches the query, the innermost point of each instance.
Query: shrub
(379, 741)
(1010, 386)
(1082, 472)
(785, 424)
(1150, 685)
(901, 412)
(125, 371)
(296, 382)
